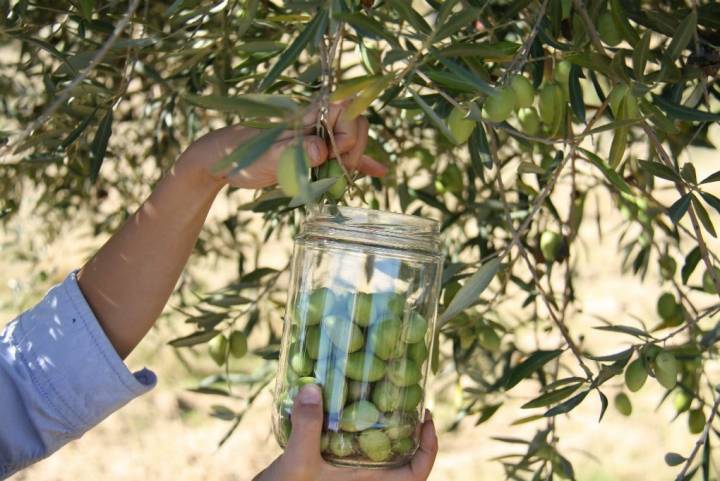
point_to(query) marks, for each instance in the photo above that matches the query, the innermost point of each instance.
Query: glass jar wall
(359, 322)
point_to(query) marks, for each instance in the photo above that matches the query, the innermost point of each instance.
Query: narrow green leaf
(249, 151)
(660, 170)
(619, 144)
(409, 14)
(471, 290)
(98, 148)
(641, 54)
(260, 46)
(72, 136)
(317, 188)
(702, 214)
(681, 112)
(367, 97)
(712, 201)
(613, 357)
(679, 208)
(613, 177)
(194, 338)
(567, 406)
(551, 397)
(576, 95)
(691, 262)
(247, 105)
(480, 85)
(711, 178)
(500, 51)
(434, 118)
(296, 47)
(620, 18)
(534, 361)
(633, 331)
(460, 20)
(603, 404)
(350, 87)
(367, 26)
(682, 37)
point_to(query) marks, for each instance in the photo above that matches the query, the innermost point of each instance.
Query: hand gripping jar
(359, 323)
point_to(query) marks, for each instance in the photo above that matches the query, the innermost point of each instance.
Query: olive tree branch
(65, 93)
(558, 320)
(521, 57)
(691, 208)
(594, 36)
(701, 440)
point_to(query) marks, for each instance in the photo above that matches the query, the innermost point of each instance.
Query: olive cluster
(366, 351)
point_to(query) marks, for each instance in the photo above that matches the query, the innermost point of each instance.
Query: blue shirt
(59, 377)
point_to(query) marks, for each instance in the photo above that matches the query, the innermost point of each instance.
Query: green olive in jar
(397, 426)
(364, 367)
(403, 446)
(359, 416)
(363, 309)
(375, 445)
(386, 396)
(359, 390)
(343, 333)
(418, 352)
(411, 397)
(310, 309)
(341, 444)
(316, 345)
(384, 339)
(334, 389)
(415, 329)
(389, 304)
(403, 372)
(300, 362)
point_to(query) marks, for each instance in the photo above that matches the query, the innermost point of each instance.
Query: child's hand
(350, 137)
(301, 460)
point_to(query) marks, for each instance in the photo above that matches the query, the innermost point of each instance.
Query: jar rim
(377, 227)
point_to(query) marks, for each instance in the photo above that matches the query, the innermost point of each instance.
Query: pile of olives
(367, 352)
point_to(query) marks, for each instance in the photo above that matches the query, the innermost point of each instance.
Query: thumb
(307, 421)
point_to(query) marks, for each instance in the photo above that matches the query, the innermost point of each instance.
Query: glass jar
(359, 322)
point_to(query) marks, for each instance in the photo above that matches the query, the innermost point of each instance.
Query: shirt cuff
(72, 361)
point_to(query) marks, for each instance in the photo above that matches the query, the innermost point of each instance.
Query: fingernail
(314, 151)
(309, 395)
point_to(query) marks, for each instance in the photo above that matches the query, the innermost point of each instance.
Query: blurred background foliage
(481, 109)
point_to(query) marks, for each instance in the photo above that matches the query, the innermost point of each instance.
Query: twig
(691, 209)
(594, 37)
(521, 57)
(701, 440)
(68, 89)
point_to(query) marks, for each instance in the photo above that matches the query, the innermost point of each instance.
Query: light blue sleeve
(59, 377)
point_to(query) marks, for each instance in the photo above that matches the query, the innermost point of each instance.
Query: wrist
(197, 175)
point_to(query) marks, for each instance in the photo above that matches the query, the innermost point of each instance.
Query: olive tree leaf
(367, 26)
(534, 361)
(480, 85)
(434, 118)
(577, 103)
(660, 170)
(406, 12)
(603, 404)
(682, 36)
(567, 406)
(193, 339)
(713, 201)
(691, 262)
(620, 18)
(641, 54)
(702, 214)
(471, 290)
(98, 148)
(681, 112)
(711, 178)
(366, 97)
(77, 131)
(249, 151)
(679, 208)
(350, 87)
(247, 105)
(551, 397)
(613, 177)
(633, 331)
(294, 49)
(317, 188)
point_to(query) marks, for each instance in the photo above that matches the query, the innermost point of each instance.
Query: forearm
(129, 280)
